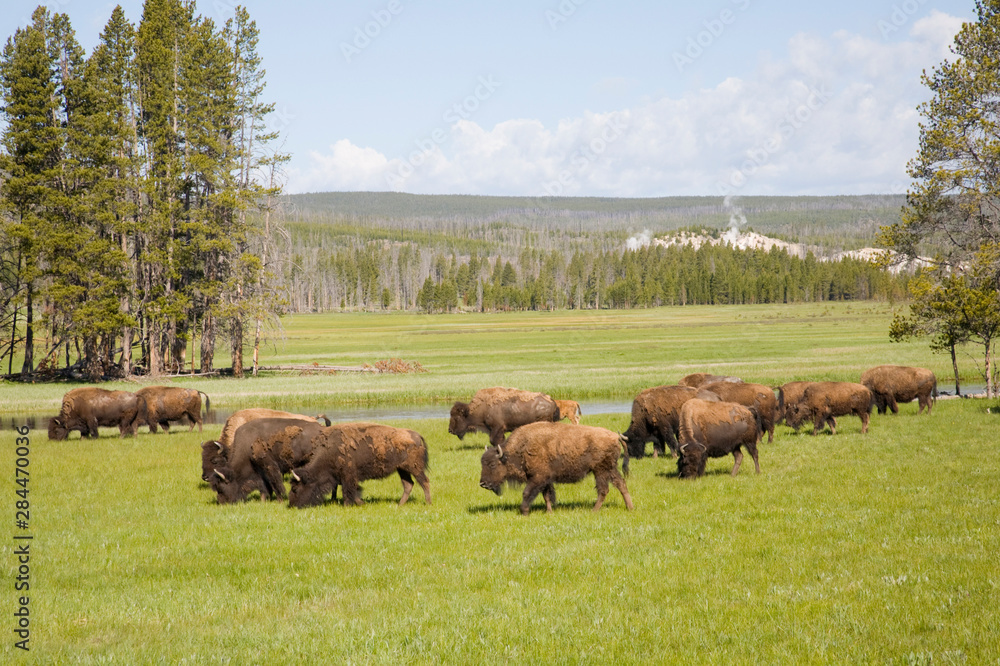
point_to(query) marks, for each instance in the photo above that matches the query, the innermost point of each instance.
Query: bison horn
(221, 448)
(296, 476)
(220, 474)
(499, 451)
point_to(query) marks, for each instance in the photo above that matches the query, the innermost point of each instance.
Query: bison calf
(540, 455)
(349, 453)
(713, 430)
(569, 409)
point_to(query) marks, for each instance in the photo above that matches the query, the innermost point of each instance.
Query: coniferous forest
(143, 227)
(135, 185)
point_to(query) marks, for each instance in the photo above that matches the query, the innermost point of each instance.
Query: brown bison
(214, 452)
(716, 429)
(699, 379)
(790, 395)
(497, 411)
(172, 403)
(892, 384)
(758, 396)
(569, 409)
(656, 414)
(86, 409)
(349, 453)
(262, 450)
(822, 401)
(540, 455)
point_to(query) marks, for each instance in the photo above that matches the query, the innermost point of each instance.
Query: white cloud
(838, 115)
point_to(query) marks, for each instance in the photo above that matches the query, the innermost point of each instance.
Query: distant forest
(375, 251)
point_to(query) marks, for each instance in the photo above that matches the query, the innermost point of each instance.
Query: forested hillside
(391, 250)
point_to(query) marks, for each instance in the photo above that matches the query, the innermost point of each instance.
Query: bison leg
(425, 484)
(601, 481)
(892, 404)
(738, 457)
(622, 488)
(407, 480)
(864, 422)
(531, 491)
(549, 494)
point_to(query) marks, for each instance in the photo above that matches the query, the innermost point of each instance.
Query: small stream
(338, 413)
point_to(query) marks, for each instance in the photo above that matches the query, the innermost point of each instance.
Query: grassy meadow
(877, 548)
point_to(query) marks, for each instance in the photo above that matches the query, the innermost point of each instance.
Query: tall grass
(877, 548)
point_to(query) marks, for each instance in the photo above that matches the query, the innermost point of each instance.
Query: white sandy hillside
(751, 240)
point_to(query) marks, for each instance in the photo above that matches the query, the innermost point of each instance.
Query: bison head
(227, 488)
(458, 425)
(494, 471)
(57, 429)
(308, 489)
(691, 459)
(213, 456)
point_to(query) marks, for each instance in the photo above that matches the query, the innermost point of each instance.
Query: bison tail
(781, 405)
(623, 441)
(208, 403)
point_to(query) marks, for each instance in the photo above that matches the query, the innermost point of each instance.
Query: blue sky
(588, 97)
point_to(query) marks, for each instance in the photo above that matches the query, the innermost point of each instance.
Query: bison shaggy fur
(656, 414)
(171, 403)
(349, 453)
(714, 430)
(498, 410)
(758, 396)
(892, 384)
(822, 401)
(540, 455)
(86, 409)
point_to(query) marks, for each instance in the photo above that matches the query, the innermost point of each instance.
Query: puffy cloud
(836, 116)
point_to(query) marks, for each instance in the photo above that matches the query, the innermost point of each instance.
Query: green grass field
(877, 548)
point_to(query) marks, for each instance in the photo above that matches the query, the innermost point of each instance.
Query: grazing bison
(540, 455)
(214, 452)
(171, 403)
(656, 416)
(349, 453)
(699, 379)
(262, 450)
(569, 409)
(758, 396)
(892, 384)
(716, 429)
(497, 411)
(789, 395)
(86, 409)
(822, 401)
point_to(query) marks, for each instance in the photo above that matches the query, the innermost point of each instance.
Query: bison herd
(703, 416)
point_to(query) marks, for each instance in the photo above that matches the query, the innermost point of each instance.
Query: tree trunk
(207, 341)
(29, 335)
(954, 367)
(236, 337)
